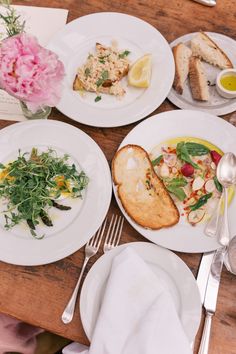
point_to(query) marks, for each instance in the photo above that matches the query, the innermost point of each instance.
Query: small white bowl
(220, 89)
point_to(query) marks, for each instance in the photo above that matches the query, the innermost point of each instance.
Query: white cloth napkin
(137, 314)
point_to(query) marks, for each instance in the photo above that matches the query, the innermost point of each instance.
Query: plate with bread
(199, 58)
(164, 178)
(118, 68)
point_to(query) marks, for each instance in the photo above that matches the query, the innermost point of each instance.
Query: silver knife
(211, 297)
(203, 273)
(206, 2)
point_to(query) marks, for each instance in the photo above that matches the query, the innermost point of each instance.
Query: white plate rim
(122, 116)
(47, 252)
(190, 320)
(169, 117)
(176, 99)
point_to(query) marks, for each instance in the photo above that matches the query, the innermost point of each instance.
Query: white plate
(73, 228)
(183, 237)
(216, 104)
(77, 39)
(176, 277)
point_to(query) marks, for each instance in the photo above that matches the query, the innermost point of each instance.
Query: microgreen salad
(33, 183)
(188, 171)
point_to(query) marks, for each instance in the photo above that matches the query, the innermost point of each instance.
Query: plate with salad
(47, 189)
(184, 148)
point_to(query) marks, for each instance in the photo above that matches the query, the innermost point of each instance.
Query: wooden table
(37, 295)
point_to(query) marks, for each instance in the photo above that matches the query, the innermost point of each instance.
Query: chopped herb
(102, 61)
(87, 72)
(98, 98)
(218, 185)
(182, 154)
(201, 201)
(124, 54)
(157, 160)
(104, 77)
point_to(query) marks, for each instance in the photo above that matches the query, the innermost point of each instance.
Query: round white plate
(183, 237)
(77, 39)
(175, 275)
(73, 228)
(216, 105)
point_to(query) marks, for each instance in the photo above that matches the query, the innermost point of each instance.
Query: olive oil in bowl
(229, 82)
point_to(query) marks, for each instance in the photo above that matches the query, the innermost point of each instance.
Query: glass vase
(41, 113)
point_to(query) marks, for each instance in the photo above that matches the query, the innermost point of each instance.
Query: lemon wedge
(140, 72)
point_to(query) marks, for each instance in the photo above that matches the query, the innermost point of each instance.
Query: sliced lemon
(140, 72)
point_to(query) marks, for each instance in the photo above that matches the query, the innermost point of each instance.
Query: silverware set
(212, 263)
(112, 240)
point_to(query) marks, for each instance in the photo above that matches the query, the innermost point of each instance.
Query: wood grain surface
(37, 295)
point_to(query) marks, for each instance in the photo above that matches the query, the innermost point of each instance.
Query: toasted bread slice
(198, 80)
(182, 55)
(206, 49)
(141, 192)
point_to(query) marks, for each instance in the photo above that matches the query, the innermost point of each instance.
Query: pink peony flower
(30, 72)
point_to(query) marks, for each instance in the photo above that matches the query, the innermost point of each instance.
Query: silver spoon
(226, 174)
(230, 256)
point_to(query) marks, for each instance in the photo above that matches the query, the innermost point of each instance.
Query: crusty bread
(141, 192)
(198, 80)
(182, 55)
(206, 49)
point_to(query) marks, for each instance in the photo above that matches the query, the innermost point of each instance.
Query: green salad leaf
(183, 154)
(195, 149)
(201, 201)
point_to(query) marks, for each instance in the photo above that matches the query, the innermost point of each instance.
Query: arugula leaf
(157, 160)
(178, 182)
(218, 185)
(178, 192)
(2, 166)
(201, 201)
(182, 154)
(195, 149)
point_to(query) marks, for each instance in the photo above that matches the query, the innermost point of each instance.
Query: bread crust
(158, 185)
(181, 55)
(229, 64)
(196, 79)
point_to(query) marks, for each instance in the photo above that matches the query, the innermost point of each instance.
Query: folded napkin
(17, 336)
(137, 314)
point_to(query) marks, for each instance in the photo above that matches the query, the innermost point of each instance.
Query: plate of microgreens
(50, 186)
(118, 68)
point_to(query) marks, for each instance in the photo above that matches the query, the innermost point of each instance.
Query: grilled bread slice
(198, 80)
(206, 49)
(141, 192)
(181, 55)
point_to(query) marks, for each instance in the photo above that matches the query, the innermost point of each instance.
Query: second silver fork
(113, 233)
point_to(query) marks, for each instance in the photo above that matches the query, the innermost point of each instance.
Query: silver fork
(91, 249)
(113, 233)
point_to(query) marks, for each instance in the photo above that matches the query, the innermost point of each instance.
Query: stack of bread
(188, 63)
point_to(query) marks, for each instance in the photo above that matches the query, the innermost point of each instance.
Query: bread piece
(142, 194)
(198, 80)
(206, 49)
(182, 55)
